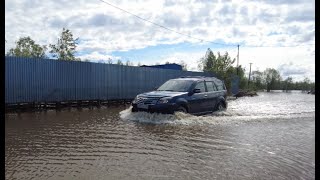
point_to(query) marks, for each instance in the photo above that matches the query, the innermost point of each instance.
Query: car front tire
(134, 110)
(220, 107)
(181, 109)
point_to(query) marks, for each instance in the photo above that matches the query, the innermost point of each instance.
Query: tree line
(64, 49)
(269, 79)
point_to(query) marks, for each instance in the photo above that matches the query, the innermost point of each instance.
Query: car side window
(201, 86)
(220, 85)
(210, 86)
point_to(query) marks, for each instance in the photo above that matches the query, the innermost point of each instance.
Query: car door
(198, 100)
(212, 95)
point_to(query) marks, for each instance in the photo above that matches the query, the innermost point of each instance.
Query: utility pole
(249, 75)
(238, 61)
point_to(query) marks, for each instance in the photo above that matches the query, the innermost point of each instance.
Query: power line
(161, 26)
(249, 75)
(238, 61)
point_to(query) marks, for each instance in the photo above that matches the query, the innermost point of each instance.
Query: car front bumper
(166, 108)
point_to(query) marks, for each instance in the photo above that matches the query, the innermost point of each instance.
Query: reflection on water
(270, 136)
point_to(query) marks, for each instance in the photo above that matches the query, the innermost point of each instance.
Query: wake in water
(215, 118)
(263, 107)
(219, 117)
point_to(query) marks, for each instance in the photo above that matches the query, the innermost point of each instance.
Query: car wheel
(134, 110)
(220, 107)
(181, 109)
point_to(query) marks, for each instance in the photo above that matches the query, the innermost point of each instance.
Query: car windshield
(176, 86)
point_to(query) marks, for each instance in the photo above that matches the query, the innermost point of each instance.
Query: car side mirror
(196, 91)
(155, 88)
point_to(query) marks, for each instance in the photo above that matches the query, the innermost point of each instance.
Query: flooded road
(271, 136)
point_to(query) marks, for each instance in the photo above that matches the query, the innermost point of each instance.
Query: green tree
(312, 86)
(298, 86)
(287, 84)
(119, 62)
(26, 47)
(139, 63)
(128, 63)
(207, 62)
(271, 78)
(306, 84)
(109, 61)
(221, 65)
(257, 79)
(243, 79)
(65, 47)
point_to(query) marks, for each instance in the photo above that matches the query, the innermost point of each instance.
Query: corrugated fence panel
(45, 80)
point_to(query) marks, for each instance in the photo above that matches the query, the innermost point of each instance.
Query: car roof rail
(195, 77)
(192, 77)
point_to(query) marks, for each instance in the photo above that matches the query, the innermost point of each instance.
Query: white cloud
(93, 20)
(300, 60)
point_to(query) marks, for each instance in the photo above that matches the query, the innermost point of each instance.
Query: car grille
(147, 100)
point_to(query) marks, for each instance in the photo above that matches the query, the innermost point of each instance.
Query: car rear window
(210, 86)
(219, 85)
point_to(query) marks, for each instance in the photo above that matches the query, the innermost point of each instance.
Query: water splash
(215, 118)
(239, 111)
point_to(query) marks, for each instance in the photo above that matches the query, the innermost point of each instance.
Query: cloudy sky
(272, 33)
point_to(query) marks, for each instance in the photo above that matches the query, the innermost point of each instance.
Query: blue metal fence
(46, 80)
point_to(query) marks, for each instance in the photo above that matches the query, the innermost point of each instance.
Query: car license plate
(142, 106)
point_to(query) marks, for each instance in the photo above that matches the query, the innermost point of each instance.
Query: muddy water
(271, 136)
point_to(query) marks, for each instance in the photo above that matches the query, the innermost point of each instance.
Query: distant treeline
(269, 79)
(259, 82)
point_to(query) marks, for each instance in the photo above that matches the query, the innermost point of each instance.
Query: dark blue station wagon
(194, 95)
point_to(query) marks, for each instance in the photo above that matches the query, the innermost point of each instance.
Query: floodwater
(271, 136)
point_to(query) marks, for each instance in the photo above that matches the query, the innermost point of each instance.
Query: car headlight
(135, 99)
(163, 100)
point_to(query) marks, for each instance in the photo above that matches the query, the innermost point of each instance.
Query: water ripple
(266, 137)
